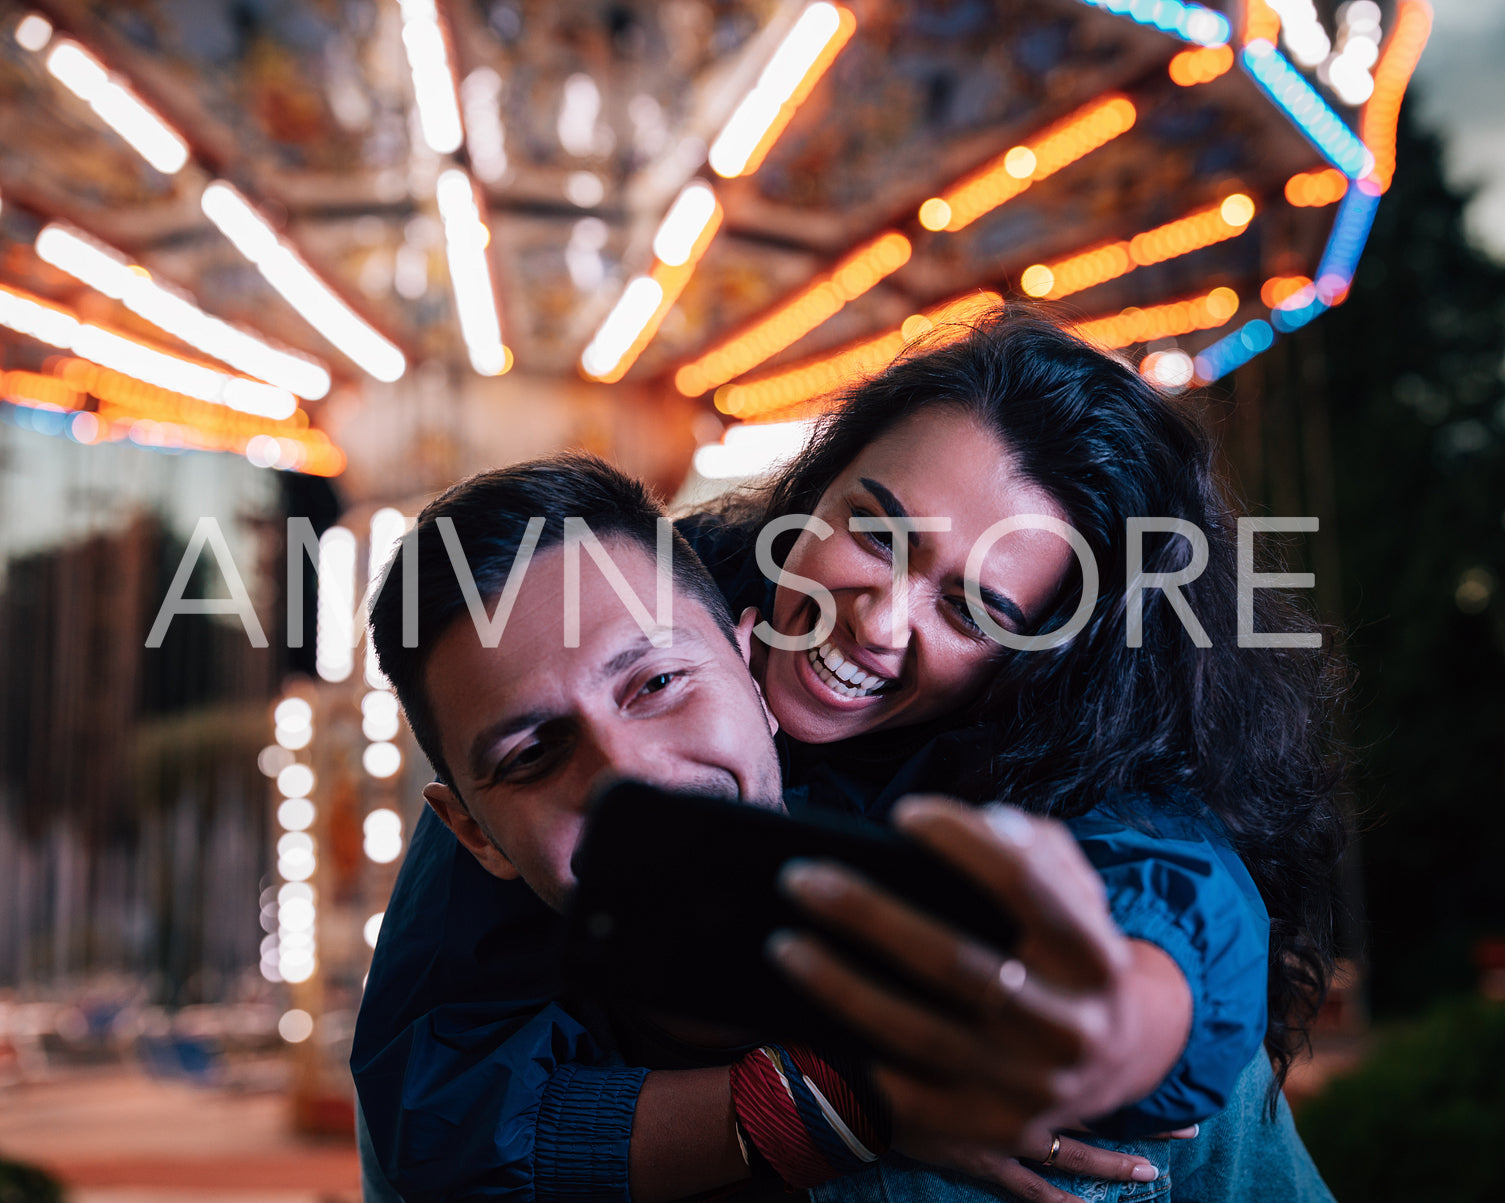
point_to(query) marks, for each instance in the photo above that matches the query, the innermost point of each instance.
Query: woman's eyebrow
(1004, 605)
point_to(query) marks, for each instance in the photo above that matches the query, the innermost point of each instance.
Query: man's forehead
(531, 656)
(611, 640)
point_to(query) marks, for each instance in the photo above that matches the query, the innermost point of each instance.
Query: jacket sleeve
(465, 1105)
(1174, 881)
(474, 1082)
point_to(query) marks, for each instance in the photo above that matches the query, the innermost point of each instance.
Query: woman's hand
(1069, 1156)
(1077, 1023)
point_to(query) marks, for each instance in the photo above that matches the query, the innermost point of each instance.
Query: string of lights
(1313, 189)
(152, 137)
(683, 237)
(1234, 350)
(1189, 22)
(1200, 65)
(1303, 104)
(790, 321)
(91, 404)
(1134, 325)
(106, 270)
(820, 376)
(802, 57)
(1398, 59)
(1006, 176)
(1204, 227)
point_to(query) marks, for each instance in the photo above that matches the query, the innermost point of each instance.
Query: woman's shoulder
(713, 535)
(724, 544)
(1178, 843)
(1172, 813)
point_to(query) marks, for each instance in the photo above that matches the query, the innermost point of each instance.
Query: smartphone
(676, 896)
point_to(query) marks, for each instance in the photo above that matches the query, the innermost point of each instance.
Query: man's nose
(657, 756)
(614, 750)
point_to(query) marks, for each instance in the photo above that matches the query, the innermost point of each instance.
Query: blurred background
(273, 273)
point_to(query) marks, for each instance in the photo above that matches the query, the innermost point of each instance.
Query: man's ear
(755, 656)
(454, 815)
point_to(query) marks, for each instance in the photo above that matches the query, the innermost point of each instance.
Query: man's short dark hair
(490, 512)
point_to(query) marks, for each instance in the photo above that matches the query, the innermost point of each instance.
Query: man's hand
(1078, 1022)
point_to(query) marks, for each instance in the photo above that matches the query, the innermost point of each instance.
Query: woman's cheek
(956, 676)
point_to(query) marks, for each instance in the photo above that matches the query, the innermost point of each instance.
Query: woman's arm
(1174, 881)
(1078, 1022)
(684, 1139)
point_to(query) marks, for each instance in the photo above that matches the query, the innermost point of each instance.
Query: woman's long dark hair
(1247, 730)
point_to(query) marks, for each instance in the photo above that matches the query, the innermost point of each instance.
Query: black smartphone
(676, 896)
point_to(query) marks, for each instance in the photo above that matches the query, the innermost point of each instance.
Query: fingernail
(1144, 1173)
(788, 950)
(1010, 825)
(808, 880)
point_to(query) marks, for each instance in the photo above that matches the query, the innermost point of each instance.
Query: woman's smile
(843, 676)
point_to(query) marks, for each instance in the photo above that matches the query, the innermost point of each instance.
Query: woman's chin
(809, 711)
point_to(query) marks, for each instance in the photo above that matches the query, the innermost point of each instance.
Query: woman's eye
(881, 539)
(964, 615)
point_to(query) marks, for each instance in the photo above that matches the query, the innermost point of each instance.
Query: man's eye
(657, 682)
(529, 758)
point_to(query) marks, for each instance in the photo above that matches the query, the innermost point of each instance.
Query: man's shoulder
(452, 933)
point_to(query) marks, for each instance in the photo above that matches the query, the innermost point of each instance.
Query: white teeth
(841, 675)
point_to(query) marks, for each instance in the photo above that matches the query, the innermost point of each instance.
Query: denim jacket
(1240, 1155)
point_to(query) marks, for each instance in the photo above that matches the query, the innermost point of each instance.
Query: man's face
(529, 728)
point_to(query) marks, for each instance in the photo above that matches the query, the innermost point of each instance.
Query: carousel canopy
(217, 214)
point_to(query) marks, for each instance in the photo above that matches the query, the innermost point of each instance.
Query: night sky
(1462, 93)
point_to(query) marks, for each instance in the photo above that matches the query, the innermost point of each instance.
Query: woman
(1016, 418)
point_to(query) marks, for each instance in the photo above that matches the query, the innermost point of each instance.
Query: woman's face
(938, 463)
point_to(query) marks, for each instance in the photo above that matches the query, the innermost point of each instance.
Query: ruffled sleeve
(1174, 880)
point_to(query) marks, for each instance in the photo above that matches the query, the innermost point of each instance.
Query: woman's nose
(880, 617)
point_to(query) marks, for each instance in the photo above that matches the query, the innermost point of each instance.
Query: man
(520, 733)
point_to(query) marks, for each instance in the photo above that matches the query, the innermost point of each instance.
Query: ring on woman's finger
(1055, 1147)
(1006, 982)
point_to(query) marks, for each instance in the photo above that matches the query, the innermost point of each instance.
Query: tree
(1407, 375)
